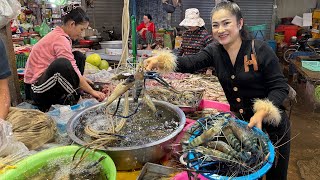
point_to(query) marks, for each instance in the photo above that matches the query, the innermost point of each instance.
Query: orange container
(316, 14)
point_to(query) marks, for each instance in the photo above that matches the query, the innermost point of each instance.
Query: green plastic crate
(311, 65)
(21, 60)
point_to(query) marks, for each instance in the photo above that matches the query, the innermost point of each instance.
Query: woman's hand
(84, 84)
(88, 81)
(257, 118)
(98, 95)
(163, 62)
(142, 30)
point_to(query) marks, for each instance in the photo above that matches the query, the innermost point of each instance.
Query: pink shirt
(54, 45)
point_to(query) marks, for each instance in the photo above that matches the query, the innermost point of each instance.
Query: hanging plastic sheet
(9, 9)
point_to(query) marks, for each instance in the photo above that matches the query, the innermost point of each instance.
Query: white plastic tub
(111, 44)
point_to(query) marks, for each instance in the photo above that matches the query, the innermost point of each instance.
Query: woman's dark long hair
(76, 14)
(149, 16)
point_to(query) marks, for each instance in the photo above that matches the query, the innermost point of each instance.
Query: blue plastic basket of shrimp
(222, 147)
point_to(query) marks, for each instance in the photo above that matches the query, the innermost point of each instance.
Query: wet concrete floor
(305, 147)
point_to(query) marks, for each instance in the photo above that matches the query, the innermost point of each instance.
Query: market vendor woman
(53, 72)
(255, 87)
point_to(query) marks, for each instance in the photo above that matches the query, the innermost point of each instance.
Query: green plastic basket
(34, 163)
(21, 60)
(311, 65)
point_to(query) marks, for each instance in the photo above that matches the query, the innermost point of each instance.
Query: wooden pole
(6, 36)
(274, 19)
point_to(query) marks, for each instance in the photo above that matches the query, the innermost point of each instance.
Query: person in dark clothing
(54, 74)
(196, 37)
(4, 88)
(250, 75)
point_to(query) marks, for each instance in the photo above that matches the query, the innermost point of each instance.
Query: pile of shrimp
(223, 146)
(183, 98)
(213, 90)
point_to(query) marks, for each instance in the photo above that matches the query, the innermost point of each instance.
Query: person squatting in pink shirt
(54, 74)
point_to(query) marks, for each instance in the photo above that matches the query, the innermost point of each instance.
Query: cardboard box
(315, 35)
(316, 14)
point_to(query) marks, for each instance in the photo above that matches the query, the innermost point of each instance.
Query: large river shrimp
(227, 149)
(209, 134)
(231, 138)
(215, 154)
(245, 137)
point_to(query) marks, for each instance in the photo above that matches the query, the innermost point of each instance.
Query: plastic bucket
(203, 104)
(273, 45)
(256, 175)
(33, 164)
(289, 31)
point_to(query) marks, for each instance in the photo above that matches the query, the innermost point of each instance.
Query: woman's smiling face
(225, 27)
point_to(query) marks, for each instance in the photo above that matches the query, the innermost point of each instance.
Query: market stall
(307, 71)
(153, 122)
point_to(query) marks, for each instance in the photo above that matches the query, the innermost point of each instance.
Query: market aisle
(305, 148)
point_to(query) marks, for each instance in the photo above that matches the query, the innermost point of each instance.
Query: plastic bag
(44, 28)
(90, 69)
(25, 105)
(8, 144)
(62, 114)
(102, 76)
(9, 10)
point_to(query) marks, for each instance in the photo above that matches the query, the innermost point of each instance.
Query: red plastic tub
(85, 42)
(289, 31)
